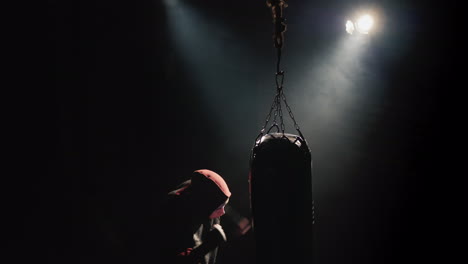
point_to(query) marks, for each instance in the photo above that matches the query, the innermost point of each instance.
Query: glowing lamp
(362, 25)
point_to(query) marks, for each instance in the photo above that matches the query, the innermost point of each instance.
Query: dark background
(140, 94)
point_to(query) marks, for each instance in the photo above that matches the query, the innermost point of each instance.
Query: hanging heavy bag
(280, 180)
(281, 199)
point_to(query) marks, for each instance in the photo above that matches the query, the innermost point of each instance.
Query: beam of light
(171, 3)
(198, 43)
(332, 81)
(218, 65)
(338, 91)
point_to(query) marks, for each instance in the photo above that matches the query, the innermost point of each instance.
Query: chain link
(273, 105)
(296, 126)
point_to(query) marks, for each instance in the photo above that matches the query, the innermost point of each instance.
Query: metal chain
(276, 111)
(279, 89)
(273, 105)
(280, 27)
(296, 125)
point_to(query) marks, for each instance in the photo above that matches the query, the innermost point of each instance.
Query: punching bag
(281, 199)
(280, 179)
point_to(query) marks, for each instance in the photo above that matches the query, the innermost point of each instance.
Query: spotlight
(363, 25)
(349, 27)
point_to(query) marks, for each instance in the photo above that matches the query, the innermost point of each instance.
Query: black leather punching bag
(280, 182)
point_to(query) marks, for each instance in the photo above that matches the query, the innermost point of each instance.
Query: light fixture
(362, 25)
(349, 27)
